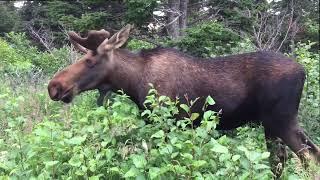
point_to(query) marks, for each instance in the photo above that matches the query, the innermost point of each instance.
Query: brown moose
(259, 87)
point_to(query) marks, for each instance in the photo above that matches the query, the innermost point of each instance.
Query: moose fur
(259, 87)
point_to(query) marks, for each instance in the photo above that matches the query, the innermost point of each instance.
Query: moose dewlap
(262, 87)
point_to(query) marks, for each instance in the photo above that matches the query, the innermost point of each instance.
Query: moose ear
(118, 39)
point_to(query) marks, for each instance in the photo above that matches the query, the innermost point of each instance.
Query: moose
(259, 87)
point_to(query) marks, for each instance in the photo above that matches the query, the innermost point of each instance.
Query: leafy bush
(243, 46)
(87, 21)
(114, 142)
(25, 54)
(11, 60)
(139, 11)
(208, 40)
(43, 139)
(136, 44)
(51, 62)
(310, 102)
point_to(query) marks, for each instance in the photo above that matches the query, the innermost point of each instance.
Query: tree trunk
(183, 17)
(173, 19)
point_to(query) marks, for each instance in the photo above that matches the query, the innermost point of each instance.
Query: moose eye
(90, 63)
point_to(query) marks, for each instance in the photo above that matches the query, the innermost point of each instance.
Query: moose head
(92, 70)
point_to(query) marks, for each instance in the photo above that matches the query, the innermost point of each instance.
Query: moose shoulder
(259, 87)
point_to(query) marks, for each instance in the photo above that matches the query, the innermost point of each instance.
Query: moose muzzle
(59, 92)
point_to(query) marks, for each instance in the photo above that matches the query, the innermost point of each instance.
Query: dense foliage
(113, 141)
(43, 139)
(208, 40)
(309, 110)
(29, 57)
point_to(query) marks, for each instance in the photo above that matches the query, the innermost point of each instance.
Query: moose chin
(258, 87)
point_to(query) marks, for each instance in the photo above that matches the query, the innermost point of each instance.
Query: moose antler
(91, 42)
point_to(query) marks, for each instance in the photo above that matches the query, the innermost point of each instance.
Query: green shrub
(208, 39)
(136, 44)
(310, 102)
(139, 11)
(51, 62)
(243, 46)
(47, 62)
(87, 21)
(11, 60)
(114, 142)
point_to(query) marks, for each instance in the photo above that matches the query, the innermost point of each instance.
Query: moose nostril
(54, 90)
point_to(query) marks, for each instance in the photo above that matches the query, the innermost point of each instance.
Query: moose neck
(127, 73)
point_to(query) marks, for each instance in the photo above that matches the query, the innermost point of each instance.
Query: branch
(289, 27)
(43, 36)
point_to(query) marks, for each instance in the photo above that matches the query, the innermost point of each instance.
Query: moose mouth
(67, 96)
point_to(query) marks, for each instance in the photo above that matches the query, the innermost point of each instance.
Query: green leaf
(75, 161)
(133, 172)
(30, 154)
(140, 177)
(199, 163)
(245, 163)
(154, 172)
(77, 140)
(81, 171)
(244, 176)
(175, 154)
(242, 148)
(94, 178)
(146, 112)
(265, 155)
(158, 134)
(207, 115)
(50, 163)
(139, 161)
(3, 166)
(166, 149)
(293, 177)
(109, 153)
(194, 116)
(92, 165)
(104, 143)
(162, 98)
(210, 101)
(235, 157)
(201, 132)
(253, 156)
(185, 108)
(116, 104)
(115, 169)
(210, 125)
(261, 166)
(219, 148)
(187, 156)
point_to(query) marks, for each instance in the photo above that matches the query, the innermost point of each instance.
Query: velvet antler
(91, 42)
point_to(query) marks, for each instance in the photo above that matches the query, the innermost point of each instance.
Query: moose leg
(314, 149)
(300, 144)
(100, 99)
(278, 153)
(103, 92)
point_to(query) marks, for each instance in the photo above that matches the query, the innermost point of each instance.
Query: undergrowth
(43, 139)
